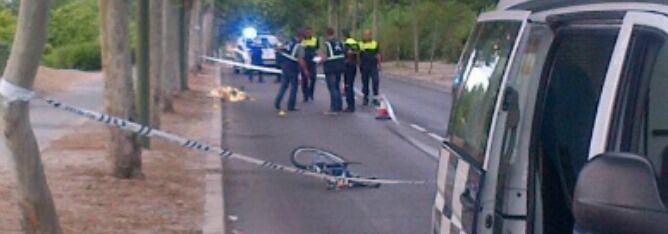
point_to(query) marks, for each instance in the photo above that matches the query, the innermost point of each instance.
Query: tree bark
(416, 37)
(353, 14)
(207, 29)
(434, 44)
(123, 150)
(170, 53)
(333, 15)
(142, 82)
(183, 46)
(38, 212)
(194, 39)
(336, 28)
(375, 18)
(155, 70)
(330, 13)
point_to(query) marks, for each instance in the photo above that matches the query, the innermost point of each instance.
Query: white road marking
(436, 137)
(418, 128)
(427, 132)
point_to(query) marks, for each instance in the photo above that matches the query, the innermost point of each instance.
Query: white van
(559, 122)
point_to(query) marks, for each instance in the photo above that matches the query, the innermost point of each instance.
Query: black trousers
(349, 88)
(289, 81)
(370, 73)
(252, 73)
(308, 83)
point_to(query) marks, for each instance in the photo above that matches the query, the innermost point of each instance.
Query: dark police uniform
(256, 59)
(311, 46)
(334, 68)
(291, 54)
(352, 53)
(369, 67)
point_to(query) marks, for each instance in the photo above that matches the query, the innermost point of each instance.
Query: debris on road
(230, 94)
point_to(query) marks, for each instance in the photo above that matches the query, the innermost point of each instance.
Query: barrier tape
(195, 145)
(251, 66)
(278, 71)
(14, 93)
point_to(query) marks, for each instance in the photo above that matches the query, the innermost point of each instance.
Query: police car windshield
(482, 69)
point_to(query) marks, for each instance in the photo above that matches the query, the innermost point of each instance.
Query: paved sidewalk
(50, 124)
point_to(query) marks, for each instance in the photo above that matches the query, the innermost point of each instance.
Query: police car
(242, 52)
(559, 121)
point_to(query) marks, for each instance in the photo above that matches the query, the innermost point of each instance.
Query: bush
(74, 22)
(7, 26)
(73, 37)
(85, 56)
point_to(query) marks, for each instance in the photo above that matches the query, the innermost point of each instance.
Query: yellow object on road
(229, 94)
(282, 113)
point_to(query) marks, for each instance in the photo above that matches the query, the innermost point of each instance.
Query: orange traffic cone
(383, 113)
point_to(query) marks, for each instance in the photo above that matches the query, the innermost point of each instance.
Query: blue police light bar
(249, 33)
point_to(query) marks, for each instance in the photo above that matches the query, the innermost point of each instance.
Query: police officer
(311, 45)
(278, 50)
(293, 62)
(370, 60)
(352, 54)
(256, 59)
(334, 64)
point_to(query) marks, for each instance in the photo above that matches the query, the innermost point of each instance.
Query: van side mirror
(618, 193)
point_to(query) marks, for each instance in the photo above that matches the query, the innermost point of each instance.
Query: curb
(214, 203)
(422, 83)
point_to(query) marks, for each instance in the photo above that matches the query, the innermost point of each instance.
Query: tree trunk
(123, 150)
(330, 13)
(38, 212)
(170, 53)
(207, 30)
(434, 44)
(336, 28)
(142, 82)
(416, 37)
(155, 70)
(375, 19)
(194, 39)
(353, 14)
(185, 42)
(183, 47)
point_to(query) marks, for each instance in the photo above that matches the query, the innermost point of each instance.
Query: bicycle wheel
(307, 157)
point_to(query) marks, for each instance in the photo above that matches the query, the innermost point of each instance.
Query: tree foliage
(443, 25)
(73, 40)
(7, 30)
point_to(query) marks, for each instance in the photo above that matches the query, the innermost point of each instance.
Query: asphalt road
(262, 201)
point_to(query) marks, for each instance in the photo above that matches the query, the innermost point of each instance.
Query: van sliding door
(463, 161)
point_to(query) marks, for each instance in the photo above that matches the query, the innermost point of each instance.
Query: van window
(572, 86)
(642, 118)
(481, 76)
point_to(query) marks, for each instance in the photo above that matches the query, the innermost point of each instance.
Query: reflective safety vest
(311, 43)
(368, 52)
(352, 44)
(335, 50)
(289, 54)
(352, 49)
(311, 46)
(336, 53)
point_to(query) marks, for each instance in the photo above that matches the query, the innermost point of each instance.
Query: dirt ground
(169, 200)
(441, 73)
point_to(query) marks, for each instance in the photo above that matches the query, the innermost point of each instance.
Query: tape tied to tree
(12, 92)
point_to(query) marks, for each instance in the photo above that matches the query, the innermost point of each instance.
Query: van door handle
(467, 200)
